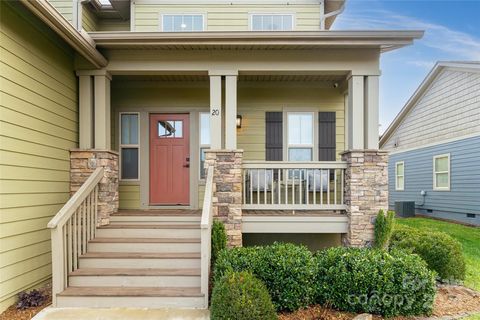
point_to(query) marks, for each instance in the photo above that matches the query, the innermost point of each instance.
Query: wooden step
(154, 219)
(157, 245)
(134, 277)
(159, 212)
(134, 297)
(149, 231)
(140, 260)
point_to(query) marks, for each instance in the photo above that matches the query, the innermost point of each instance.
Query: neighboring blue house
(434, 145)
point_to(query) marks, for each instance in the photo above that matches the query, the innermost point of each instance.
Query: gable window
(300, 136)
(182, 22)
(129, 146)
(441, 172)
(204, 140)
(271, 22)
(399, 176)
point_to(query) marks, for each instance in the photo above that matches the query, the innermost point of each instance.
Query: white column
(371, 112)
(102, 111)
(85, 112)
(231, 112)
(356, 113)
(216, 112)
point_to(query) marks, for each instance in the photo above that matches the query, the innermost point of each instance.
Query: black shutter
(273, 136)
(326, 136)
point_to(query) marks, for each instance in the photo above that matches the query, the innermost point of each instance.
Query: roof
(384, 40)
(468, 66)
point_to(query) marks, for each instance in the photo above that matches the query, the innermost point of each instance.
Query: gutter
(78, 40)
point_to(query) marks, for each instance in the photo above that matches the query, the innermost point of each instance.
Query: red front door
(169, 159)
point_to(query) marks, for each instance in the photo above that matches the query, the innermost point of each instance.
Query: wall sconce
(239, 121)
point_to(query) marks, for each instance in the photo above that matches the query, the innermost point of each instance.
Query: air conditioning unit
(405, 209)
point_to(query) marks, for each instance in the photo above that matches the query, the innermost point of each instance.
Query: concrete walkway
(121, 314)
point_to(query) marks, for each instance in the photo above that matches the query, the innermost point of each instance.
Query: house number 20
(215, 112)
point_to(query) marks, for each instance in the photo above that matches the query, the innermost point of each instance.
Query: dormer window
(182, 22)
(271, 22)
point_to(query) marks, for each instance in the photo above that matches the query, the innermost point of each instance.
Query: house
(156, 116)
(434, 142)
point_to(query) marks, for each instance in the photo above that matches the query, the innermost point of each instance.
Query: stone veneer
(82, 165)
(227, 191)
(366, 192)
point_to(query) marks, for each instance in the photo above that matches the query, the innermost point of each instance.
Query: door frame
(144, 181)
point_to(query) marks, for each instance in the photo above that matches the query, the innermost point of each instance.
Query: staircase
(142, 259)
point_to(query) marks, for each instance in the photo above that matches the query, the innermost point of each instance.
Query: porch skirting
(366, 192)
(227, 191)
(82, 165)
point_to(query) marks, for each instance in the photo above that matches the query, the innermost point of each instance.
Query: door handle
(186, 165)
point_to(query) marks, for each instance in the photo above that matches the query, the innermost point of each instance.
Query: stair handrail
(206, 234)
(71, 229)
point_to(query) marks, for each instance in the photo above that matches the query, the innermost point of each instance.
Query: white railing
(275, 185)
(71, 229)
(206, 234)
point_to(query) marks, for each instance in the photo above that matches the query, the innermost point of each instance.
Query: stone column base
(227, 191)
(366, 192)
(82, 165)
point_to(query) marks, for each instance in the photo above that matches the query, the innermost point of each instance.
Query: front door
(169, 159)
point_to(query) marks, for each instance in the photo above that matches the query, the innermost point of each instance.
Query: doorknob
(187, 165)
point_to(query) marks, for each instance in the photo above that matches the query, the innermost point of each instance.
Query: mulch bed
(450, 301)
(12, 313)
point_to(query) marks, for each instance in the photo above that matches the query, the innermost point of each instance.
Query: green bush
(241, 296)
(287, 270)
(383, 229)
(442, 253)
(219, 239)
(374, 281)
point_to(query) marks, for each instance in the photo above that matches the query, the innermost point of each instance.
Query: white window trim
(204, 20)
(252, 14)
(200, 145)
(313, 146)
(447, 155)
(396, 176)
(121, 146)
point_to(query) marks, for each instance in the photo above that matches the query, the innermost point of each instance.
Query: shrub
(30, 299)
(440, 251)
(287, 270)
(241, 296)
(383, 229)
(374, 281)
(219, 239)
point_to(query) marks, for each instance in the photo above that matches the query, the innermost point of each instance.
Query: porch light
(239, 121)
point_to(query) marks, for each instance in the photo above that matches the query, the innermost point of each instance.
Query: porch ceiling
(292, 40)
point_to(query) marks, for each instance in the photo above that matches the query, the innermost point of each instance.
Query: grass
(469, 237)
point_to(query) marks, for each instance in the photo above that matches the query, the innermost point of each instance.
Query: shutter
(273, 136)
(326, 136)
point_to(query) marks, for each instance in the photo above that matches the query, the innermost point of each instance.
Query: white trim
(396, 175)
(251, 14)
(435, 172)
(203, 15)
(127, 146)
(295, 224)
(228, 2)
(438, 143)
(132, 15)
(200, 145)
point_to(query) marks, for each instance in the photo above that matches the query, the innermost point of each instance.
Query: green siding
(65, 7)
(89, 20)
(38, 126)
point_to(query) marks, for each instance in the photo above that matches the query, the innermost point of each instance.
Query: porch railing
(206, 235)
(275, 185)
(71, 229)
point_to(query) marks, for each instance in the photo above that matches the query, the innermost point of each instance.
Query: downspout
(324, 16)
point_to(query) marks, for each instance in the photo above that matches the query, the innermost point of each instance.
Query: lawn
(469, 237)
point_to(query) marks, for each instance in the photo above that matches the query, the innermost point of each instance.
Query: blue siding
(464, 194)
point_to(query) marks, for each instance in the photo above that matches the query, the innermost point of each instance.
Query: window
(204, 140)
(170, 129)
(129, 145)
(182, 22)
(441, 172)
(300, 136)
(399, 176)
(271, 22)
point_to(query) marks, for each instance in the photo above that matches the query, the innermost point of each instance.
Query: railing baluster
(87, 217)
(300, 193)
(65, 252)
(258, 186)
(285, 175)
(341, 188)
(314, 186)
(272, 192)
(74, 240)
(279, 183)
(321, 186)
(251, 186)
(96, 208)
(335, 186)
(244, 186)
(69, 245)
(293, 187)
(265, 186)
(328, 186)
